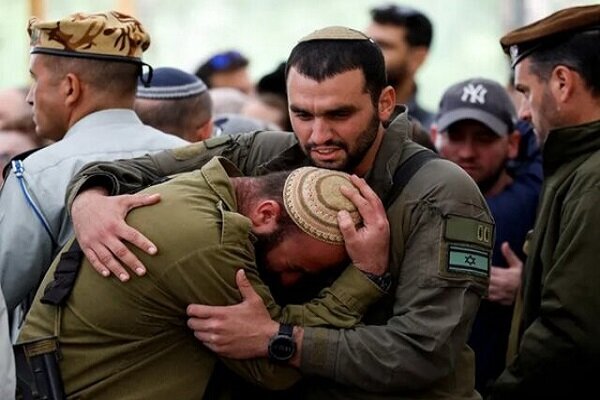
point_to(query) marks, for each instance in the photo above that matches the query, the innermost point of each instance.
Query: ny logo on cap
(474, 94)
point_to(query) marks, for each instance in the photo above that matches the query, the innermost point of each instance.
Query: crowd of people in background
(472, 270)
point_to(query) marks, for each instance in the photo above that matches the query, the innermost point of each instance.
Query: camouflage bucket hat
(106, 36)
(312, 198)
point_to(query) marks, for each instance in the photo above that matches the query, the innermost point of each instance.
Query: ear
(71, 87)
(433, 132)
(514, 139)
(263, 215)
(417, 57)
(562, 83)
(386, 104)
(204, 131)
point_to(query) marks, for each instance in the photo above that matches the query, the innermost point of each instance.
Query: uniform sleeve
(208, 277)
(246, 150)
(25, 247)
(564, 338)
(341, 305)
(131, 175)
(423, 337)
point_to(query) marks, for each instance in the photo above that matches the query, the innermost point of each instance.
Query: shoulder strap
(18, 169)
(20, 156)
(59, 289)
(405, 172)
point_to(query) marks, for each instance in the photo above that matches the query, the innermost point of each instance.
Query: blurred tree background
(184, 33)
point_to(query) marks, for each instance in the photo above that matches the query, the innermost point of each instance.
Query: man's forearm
(117, 177)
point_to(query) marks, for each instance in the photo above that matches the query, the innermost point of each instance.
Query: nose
(466, 149)
(321, 131)
(525, 111)
(29, 98)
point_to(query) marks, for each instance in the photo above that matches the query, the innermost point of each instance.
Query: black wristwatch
(282, 346)
(383, 281)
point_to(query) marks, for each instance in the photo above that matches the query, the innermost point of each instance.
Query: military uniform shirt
(130, 340)
(414, 342)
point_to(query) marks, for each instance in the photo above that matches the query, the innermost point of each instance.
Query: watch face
(281, 348)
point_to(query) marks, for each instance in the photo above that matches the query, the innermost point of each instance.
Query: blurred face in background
(478, 150)
(13, 143)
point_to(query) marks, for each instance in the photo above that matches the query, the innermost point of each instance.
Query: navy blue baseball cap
(481, 100)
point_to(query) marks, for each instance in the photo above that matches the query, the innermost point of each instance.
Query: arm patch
(469, 247)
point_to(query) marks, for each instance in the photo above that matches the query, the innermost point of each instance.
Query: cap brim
(491, 121)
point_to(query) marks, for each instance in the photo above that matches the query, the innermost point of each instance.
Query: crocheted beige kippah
(335, 33)
(312, 198)
(108, 35)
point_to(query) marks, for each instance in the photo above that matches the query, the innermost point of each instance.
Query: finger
(511, 258)
(244, 285)
(357, 199)
(200, 311)
(139, 200)
(199, 325)
(108, 260)
(366, 201)
(346, 225)
(136, 238)
(203, 337)
(366, 191)
(125, 256)
(96, 264)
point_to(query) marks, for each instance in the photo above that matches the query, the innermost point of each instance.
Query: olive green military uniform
(441, 238)
(560, 324)
(130, 341)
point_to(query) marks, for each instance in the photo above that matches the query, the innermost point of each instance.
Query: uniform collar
(566, 144)
(217, 172)
(91, 122)
(381, 176)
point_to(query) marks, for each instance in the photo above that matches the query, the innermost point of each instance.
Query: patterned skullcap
(549, 31)
(312, 198)
(169, 84)
(335, 33)
(107, 36)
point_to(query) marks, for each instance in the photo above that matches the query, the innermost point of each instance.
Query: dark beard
(363, 145)
(396, 78)
(491, 180)
(305, 289)
(262, 246)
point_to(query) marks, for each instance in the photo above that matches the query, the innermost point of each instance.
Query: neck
(242, 187)
(369, 158)
(100, 103)
(404, 91)
(585, 111)
(492, 189)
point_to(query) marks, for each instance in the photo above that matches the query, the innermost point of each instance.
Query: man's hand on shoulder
(101, 230)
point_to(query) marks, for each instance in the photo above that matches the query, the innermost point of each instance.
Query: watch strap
(286, 330)
(384, 282)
